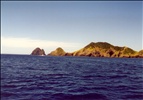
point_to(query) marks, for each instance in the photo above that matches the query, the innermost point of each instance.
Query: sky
(71, 25)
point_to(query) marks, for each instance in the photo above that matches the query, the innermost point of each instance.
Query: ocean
(27, 77)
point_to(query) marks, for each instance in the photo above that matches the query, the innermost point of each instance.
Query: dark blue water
(25, 77)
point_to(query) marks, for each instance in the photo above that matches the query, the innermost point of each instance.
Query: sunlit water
(25, 77)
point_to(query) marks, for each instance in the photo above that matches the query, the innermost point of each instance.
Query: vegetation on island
(98, 49)
(58, 52)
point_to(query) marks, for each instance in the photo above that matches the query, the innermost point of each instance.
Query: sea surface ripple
(26, 77)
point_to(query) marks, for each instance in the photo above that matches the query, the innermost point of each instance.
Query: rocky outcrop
(104, 49)
(58, 52)
(68, 54)
(98, 49)
(140, 54)
(38, 51)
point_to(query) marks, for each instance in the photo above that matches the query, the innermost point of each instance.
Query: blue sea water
(26, 77)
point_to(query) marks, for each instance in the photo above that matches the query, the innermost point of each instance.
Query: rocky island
(58, 52)
(38, 51)
(98, 49)
(104, 49)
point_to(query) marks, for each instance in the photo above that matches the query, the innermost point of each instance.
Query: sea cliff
(38, 51)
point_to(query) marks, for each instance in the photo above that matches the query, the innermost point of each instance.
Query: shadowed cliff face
(38, 51)
(58, 52)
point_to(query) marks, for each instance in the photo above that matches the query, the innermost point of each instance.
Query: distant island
(98, 49)
(38, 51)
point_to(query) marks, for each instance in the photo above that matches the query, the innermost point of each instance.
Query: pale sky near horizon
(71, 25)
